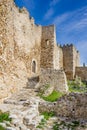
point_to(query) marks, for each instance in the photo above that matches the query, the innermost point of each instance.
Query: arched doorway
(34, 67)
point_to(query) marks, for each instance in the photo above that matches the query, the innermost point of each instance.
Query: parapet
(70, 46)
(67, 45)
(48, 32)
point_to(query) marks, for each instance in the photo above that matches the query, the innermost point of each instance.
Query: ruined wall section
(6, 30)
(76, 57)
(27, 39)
(55, 79)
(74, 60)
(56, 53)
(60, 57)
(50, 52)
(71, 107)
(70, 60)
(82, 73)
(6, 47)
(56, 57)
(19, 46)
(47, 46)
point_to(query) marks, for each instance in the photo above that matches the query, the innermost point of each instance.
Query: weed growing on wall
(54, 96)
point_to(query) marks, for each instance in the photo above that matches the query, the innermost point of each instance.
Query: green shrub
(4, 117)
(2, 128)
(48, 115)
(75, 86)
(56, 126)
(53, 96)
(66, 125)
(42, 123)
(75, 123)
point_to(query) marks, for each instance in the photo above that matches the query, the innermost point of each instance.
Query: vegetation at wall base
(54, 96)
(48, 115)
(75, 86)
(41, 124)
(43, 89)
(2, 128)
(66, 125)
(4, 116)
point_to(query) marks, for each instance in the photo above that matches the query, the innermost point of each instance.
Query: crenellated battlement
(68, 45)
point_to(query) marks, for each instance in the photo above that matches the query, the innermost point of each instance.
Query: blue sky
(69, 17)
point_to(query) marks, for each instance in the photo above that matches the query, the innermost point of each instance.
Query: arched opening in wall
(47, 42)
(34, 67)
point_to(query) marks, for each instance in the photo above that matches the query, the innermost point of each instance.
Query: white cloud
(60, 19)
(54, 2)
(72, 28)
(72, 21)
(49, 13)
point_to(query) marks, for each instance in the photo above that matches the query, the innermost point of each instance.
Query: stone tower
(47, 46)
(70, 60)
(51, 54)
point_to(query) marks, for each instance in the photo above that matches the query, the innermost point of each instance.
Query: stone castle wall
(6, 30)
(6, 47)
(27, 40)
(19, 47)
(47, 47)
(76, 60)
(60, 57)
(55, 79)
(51, 54)
(82, 73)
(56, 57)
(26, 48)
(70, 60)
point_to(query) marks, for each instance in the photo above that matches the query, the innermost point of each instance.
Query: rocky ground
(23, 108)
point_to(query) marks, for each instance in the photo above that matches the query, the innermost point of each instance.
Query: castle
(26, 48)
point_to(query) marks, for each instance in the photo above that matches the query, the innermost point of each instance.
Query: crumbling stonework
(16, 53)
(55, 79)
(47, 47)
(70, 60)
(81, 72)
(72, 106)
(26, 48)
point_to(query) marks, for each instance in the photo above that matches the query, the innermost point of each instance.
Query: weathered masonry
(27, 48)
